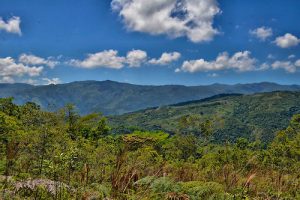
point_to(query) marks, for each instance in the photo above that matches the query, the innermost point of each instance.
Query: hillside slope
(111, 97)
(250, 116)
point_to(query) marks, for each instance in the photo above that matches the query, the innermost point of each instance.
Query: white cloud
(7, 79)
(288, 66)
(30, 59)
(271, 56)
(263, 66)
(136, 57)
(297, 63)
(41, 81)
(286, 41)
(291, 56)
(165, 58)
(26, 66)
(10, 69)
(48, 81)
(107, 59)
(175, 18)
(213, 75)
(11, 26)
(30, 81)
(262, 33)
(177, 70)
(111, 59)
(240, 61)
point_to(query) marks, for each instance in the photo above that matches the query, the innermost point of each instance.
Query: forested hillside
(109, 97)
(61, 155)
(255, 117)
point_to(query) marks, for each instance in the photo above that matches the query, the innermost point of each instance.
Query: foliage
(62, 155)
(254, 117)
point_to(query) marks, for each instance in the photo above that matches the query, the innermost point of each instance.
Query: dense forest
(254, 116)
(62, 155)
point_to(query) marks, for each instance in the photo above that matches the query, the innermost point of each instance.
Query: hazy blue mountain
(111, 97)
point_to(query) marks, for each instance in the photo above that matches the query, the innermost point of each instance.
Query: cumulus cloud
(11, 26)
(135, 58)
(175, 18)
(25, 68)
(297, 63)
(286, 41)
(49, 81)
(262, 33)
(286, 65)
(263, 66)
(111, 59)
(30, 59)
(107, 59)
(240, 61)
(165, 58)
(9, 69)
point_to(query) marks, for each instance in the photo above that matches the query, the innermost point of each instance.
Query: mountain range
(114, 98)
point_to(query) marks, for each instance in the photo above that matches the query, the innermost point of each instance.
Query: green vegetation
(254, 117)
(61, 155)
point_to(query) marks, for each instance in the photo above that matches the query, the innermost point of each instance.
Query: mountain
(256, 116)
(111, 97)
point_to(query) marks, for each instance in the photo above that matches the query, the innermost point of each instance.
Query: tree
(283, 153)
(71, 118)
(196, 125)
(9, 129)
(101, 130)
(92, 126)
(8, 107)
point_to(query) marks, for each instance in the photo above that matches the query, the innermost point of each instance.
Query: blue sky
(190, 42)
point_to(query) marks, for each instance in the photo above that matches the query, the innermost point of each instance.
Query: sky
(187, 42)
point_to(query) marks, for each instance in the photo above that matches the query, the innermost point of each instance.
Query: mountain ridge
(112, 81)
(113, 98)
(252, 116)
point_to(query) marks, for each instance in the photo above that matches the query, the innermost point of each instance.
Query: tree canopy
(62, 155)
